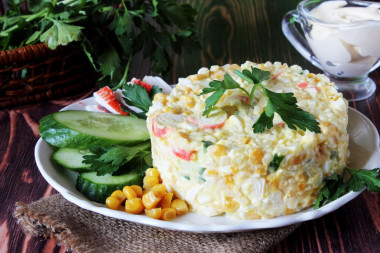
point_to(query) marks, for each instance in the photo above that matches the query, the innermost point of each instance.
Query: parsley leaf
(108, 160)
(335, 185)
(136, 95)
(206, 144)
(60, 34)
(364, 178)
(275, 163)
(218, 87)
(284, 104)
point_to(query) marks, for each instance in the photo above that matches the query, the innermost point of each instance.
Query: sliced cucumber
(98, 188)
(81, 129)
(72, 158)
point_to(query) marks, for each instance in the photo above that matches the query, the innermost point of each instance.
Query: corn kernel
(256, 155)
(120, 195)
(150, 200)
(231, 205)
(229, 179)
(161, 97)
(129, 192)
(168, 214)
(190, 102)
(113, 202)
(152, 177)
(138, 190)
(218, 150)
(180, 206)
(212, 172)
(154, 213)
(134, 206)
(166, 200)
(152, 172)
(150, 181)
(159, 190)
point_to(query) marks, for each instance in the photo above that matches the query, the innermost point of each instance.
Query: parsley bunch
(110, 32)
(284, 104)
(336, 185)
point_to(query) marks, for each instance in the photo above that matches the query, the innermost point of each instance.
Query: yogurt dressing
(345, 39)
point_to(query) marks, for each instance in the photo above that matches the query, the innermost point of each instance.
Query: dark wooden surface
(230, 32)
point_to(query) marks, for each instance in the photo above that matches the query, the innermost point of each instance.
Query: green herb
(202, 179)
(109, 32)
(284, 104)
(334, 154)
(275, 163)
(336, 185)
(136, 95)
(118, 159)
(206, 144)
(187, 177)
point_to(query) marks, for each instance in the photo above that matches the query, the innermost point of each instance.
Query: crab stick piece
(216, 119)
(183, 153)
(106, 98)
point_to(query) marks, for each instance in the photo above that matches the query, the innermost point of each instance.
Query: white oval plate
(365, 153)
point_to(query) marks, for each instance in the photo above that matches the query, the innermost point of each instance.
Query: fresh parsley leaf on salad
(284, 104)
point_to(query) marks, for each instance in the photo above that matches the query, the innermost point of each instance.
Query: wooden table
(230, 32)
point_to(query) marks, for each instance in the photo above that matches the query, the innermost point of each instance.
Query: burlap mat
(85, 231)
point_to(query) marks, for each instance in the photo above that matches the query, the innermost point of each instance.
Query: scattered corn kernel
(152, 172)
(129, 192)
(151, 178)
(154, 213)
(180, 206)
(120, 195)
(154, 199)
(159, 190)
(138, 190)
(134, 206)
(150, 200)
(113, 202)
(150, 181)
(168, 213)
(166, 200)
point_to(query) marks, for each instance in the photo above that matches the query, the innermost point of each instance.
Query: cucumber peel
(82, 129)
(98, 188)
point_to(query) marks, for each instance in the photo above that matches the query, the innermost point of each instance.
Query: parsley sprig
(136, 95)
(336, 185)
(284, 104)
(119, 159)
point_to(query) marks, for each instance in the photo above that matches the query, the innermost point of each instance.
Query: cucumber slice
(72, 158)
(98, 188)
(82, 129)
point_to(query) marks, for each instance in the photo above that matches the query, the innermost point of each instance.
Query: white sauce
(348, 49)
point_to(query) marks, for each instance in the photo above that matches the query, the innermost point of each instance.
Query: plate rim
(248, 225)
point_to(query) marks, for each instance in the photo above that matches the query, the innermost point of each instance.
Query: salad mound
(212, 156)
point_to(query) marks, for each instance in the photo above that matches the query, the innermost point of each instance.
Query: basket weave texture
(36, 73)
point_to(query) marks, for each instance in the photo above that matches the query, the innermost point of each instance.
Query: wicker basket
(36, 73)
